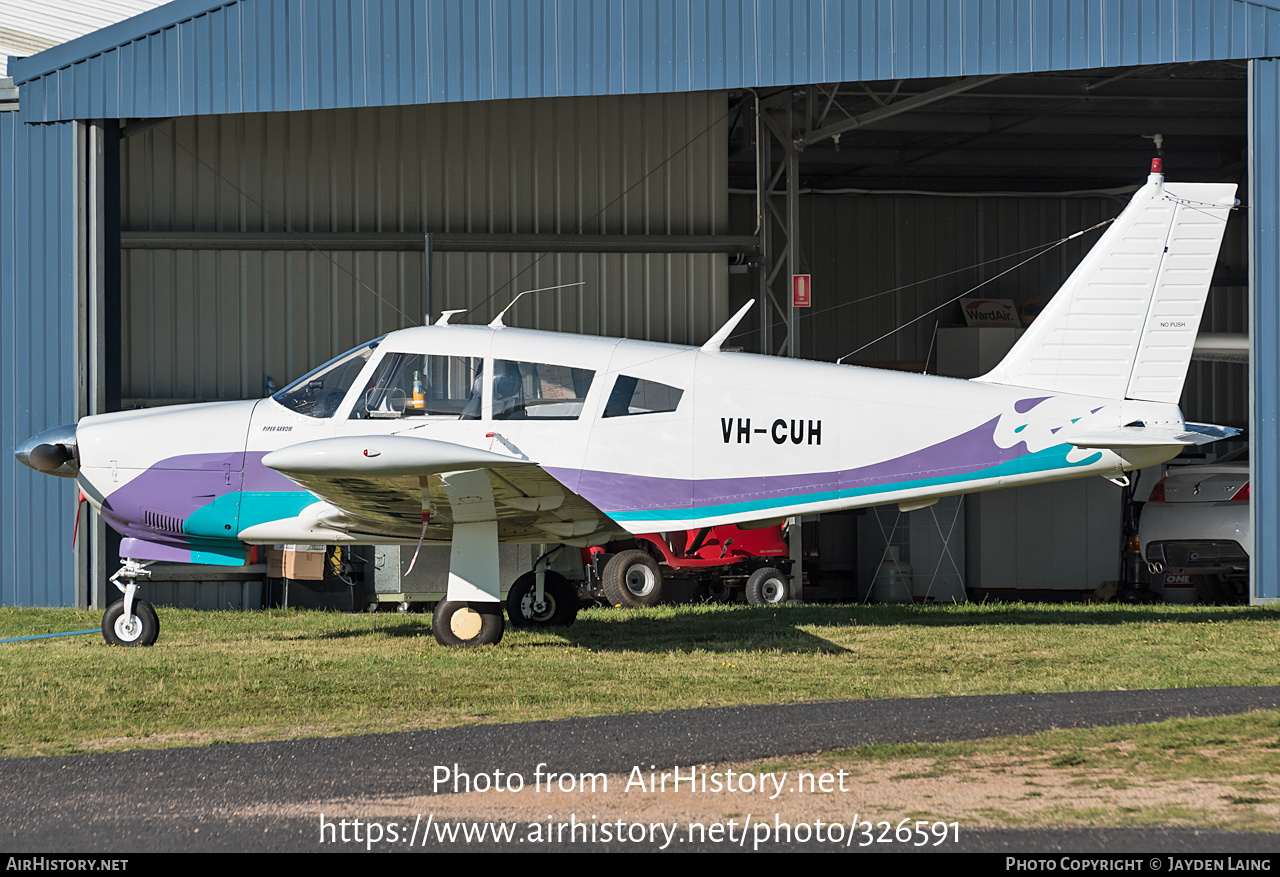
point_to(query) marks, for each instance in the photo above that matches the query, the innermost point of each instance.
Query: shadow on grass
(780, 628)
(726, 629)
(966, 614)
(693, 635)
(734, 628)
(419, 627)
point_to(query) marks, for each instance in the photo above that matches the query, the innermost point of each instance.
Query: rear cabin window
(633, 396)
(538, 391)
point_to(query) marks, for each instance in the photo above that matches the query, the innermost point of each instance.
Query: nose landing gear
(130, 622)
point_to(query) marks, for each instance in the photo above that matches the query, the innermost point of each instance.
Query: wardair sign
(990, 312)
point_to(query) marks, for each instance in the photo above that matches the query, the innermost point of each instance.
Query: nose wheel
(130, 622)
(138, 629)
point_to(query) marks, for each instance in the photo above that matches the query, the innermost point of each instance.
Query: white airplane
(475, 435)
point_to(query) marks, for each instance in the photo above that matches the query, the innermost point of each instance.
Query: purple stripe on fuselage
(145, 549)
(1022, 406)
(178, 486)
(616, 491)
(258, 477)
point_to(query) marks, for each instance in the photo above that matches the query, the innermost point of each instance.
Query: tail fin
(1124, 323)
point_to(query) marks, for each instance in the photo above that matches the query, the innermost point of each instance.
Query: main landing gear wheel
(473, 623)
(559, 607)
(140, 629)
(632, 579)
(767, 587)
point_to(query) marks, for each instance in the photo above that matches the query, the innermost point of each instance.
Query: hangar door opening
(904, 200)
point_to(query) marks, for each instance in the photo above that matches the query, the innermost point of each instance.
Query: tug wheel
(767, 587)
(631, 579)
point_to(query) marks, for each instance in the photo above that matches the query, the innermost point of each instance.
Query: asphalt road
(193, 799)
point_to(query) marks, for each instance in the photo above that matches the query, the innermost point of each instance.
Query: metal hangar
(209, 198)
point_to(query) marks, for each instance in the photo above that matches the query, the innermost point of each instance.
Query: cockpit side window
(538, 391)
(633, 396)
(319, 393)
(421, 385)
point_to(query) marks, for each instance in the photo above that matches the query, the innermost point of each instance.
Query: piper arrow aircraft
(475, 435)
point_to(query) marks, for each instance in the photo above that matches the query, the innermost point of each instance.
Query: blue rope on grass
(18, 639)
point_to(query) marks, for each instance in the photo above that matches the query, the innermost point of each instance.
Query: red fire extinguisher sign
(800, 291)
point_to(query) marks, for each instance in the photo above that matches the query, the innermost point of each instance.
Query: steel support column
(1264, 327)
(98, 325)
(779, 227)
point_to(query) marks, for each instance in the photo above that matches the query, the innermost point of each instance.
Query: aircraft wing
(378, 486)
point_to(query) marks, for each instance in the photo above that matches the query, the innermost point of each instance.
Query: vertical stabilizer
(1124, 324)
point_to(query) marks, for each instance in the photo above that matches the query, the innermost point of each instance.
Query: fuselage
(657, 437)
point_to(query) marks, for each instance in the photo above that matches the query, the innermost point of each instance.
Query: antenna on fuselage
(497, 321)
(714, 342)
(446, 316)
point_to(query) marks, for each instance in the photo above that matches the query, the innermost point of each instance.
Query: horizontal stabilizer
(382, 456)
(1152, 437)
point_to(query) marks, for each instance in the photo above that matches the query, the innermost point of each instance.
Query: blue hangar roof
(193, 57)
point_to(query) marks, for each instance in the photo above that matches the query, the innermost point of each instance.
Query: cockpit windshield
(319, 393)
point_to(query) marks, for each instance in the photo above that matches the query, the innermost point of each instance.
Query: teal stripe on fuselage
(261, 506)
(233, 512)
(212, 552)
(1041, 461)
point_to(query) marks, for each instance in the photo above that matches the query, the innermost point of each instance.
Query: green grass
(278, 674)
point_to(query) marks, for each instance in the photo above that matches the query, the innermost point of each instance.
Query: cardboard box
(304, 562)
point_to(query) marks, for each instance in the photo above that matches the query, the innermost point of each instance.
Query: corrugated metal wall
(264, 55)
(1264, 255)
(681, 299)
(616, 165)
(205, 323)
(37, 307)
(862, 246)
(213, 324)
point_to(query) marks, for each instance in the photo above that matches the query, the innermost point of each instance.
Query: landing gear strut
(130, 622)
